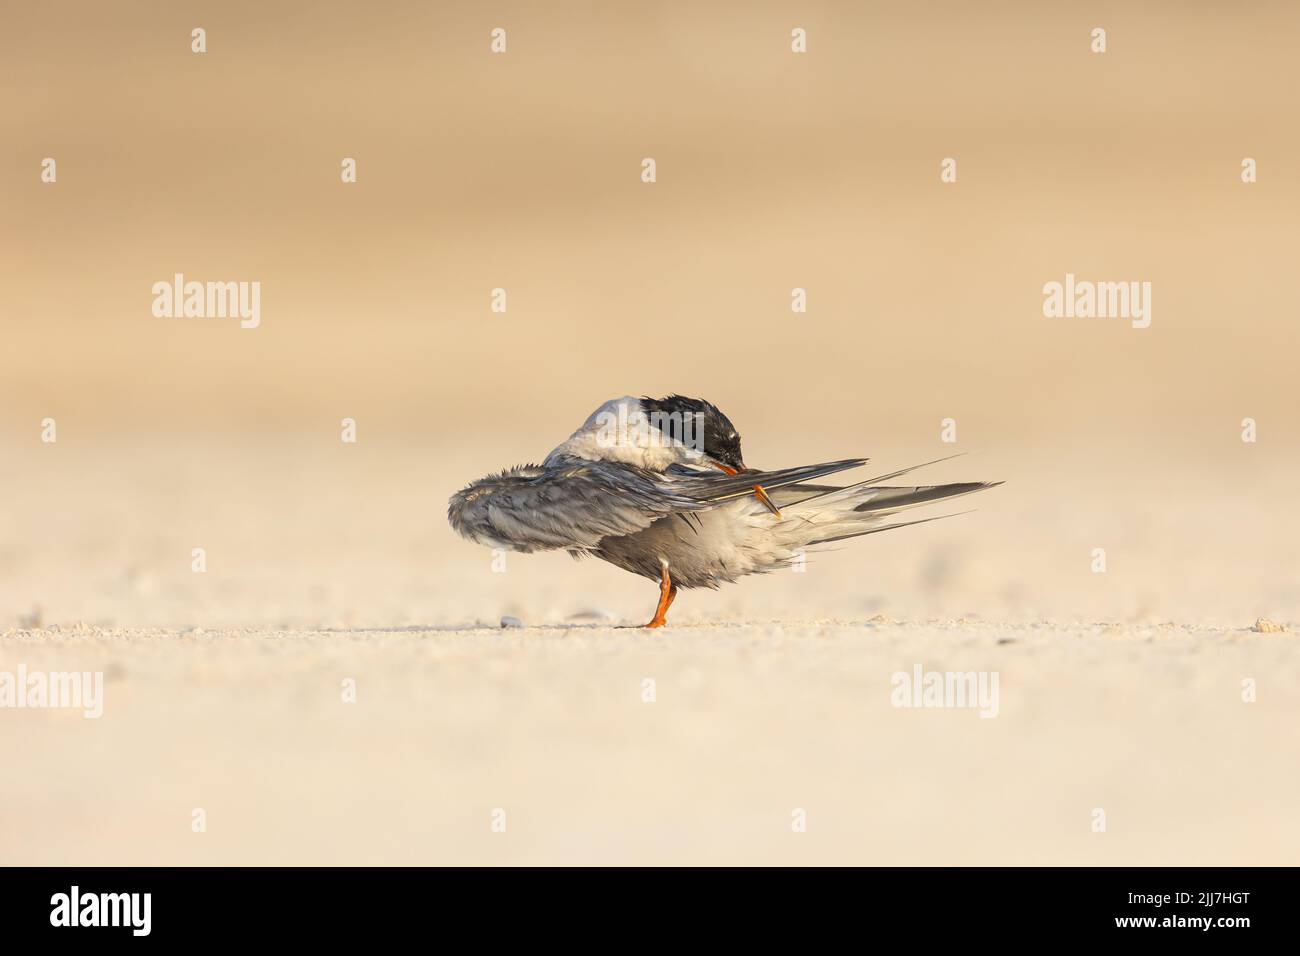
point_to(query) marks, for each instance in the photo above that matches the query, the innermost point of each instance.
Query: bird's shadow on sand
(552, 628)
(465, 628)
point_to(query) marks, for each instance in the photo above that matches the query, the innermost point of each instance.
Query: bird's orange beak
(759, 492)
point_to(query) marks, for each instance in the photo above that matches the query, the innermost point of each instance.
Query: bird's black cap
(687, 419)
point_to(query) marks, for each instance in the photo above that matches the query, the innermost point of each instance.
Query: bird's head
(699, 425)
(704, 428)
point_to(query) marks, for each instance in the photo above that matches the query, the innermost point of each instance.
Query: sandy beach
(749, 724)
(768, 697)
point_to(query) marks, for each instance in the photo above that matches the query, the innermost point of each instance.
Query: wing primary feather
(869, 481)
(711, 490)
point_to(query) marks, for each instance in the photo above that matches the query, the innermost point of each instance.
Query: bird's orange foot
(667, 591)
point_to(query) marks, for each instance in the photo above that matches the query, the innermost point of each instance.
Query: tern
(659, 487)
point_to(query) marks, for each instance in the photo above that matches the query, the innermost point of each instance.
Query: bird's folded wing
(577, 503)
(573, 505)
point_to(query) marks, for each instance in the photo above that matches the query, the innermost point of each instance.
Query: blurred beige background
(775, 171)
(521, 171)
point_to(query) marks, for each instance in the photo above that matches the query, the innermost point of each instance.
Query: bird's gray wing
(571, 505)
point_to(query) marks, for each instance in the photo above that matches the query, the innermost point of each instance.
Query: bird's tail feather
(882, 499)
(865, 509)
(886, 527)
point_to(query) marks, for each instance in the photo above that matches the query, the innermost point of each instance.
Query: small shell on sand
(1264, 626)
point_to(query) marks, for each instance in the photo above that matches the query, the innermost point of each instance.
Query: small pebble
(511, 622)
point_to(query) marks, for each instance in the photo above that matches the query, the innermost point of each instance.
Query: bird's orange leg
(667, 591)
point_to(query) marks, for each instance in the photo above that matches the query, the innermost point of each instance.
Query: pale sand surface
(750, 721)
(1119, 691)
